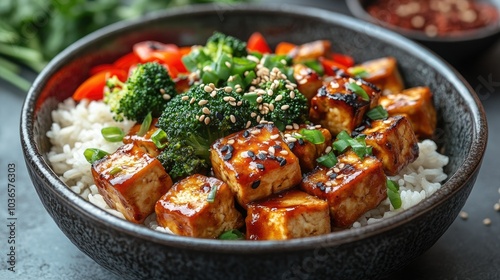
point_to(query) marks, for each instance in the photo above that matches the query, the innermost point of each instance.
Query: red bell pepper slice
(145, 50)
(93, 87)
(343, 59)
(284, 48)
(127, 61)
(330, 66)
(257, 43)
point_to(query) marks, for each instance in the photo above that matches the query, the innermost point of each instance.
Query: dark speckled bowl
(370, 252)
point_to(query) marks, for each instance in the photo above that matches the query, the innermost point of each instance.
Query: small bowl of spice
(457, 30)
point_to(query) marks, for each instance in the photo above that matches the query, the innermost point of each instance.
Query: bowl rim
(100, 217)
(357, 9)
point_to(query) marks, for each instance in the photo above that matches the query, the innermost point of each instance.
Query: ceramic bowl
(370, 252)
(456, 49)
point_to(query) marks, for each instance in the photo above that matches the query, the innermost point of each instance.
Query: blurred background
(34, 31)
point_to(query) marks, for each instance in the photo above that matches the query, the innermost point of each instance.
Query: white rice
(77, 127)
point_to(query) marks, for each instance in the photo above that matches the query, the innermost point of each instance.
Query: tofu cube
(336, 107)
(306, 151)
(352, 187)
(393, 142)
(417, 105)
(382, 72)
(311, 51)
(143, 142)
(308, 81)
(255, 163)
(288, 215)
(131, 182)
(198, 206)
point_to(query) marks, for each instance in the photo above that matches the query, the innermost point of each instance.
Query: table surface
(468, 250)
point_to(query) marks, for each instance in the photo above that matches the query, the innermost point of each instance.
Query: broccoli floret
(181, 158)
(228, 44)
(279, 102)
(196, 119)
(147, 90)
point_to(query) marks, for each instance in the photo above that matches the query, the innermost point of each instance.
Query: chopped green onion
(146, 123)
(358, 144)
(377, 113)
(251, 97)
(328, 160)
(340, 145)
(358, 71)
(115, 170)
(343, 135)
(232, 234)
(159, 138)
(112, 134)
(240, 65)
(359, 91)
(312, 135)
(211, 194)
(92, 154)
(393, 194)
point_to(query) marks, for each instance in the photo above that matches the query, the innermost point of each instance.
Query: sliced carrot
(101, 67)
(93, 87)
(331, 66)
(343, 59)
(257, 43)
(284, 48)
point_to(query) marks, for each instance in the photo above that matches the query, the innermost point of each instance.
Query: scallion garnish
(232, 234)
(115, 170)
(93, 154)
(377, 113)
(359, 91)
(358, 144)
(328, 160)
(251, 97)
(159, 138)
(358, 71)
(312, 135)
(211, 194)
(112, 134)
(393, 194)
(146, 123)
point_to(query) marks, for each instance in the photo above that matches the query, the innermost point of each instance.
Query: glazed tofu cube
(288, 215)
(306, 151)
(417, 105)
(382, 72)
(198, 206)
(351, 188)
(131, 182)
(143, 141)
(255, 163)
(308, 81)
(312, 51)
(336, 107)
(393, 142)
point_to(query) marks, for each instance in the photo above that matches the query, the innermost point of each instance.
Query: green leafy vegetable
(212, 194)
(159, 138)
(359, 91)
(145, 125)
(328, 160)
(232, 234)
(377, 113)
(312, 135)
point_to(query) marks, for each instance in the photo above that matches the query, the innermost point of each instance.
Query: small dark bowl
(456, 49)
(369, 252)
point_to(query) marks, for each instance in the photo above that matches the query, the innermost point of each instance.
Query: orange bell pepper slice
(284, 48)
(93, 87)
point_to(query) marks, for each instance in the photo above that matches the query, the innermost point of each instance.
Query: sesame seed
(227, 156)
(232, 103)
(212, 85)
(496, 207)
(464, 215)
(232, 118)
(295, 126)
(341, 165)
(289, 87)
(259, 99)
(213, 94)
(239, 103)
(328, 149)
(253, 114)
(288, 127)
(271, 150)
(258, 118)
(228, 89)
(261, 155)
(278, 98)
(281, 160)
(292, 94)
(284, 152)
(291, 139)
(224, 148)
(192, 100)
(207, 120)
(255, 184)
(162, 90)
(270, 92)
(291, 145)
(336, 170)
(285, 107)
(332, 176)
(230, 142)
(246, 133)
(226, 98)
(185, 97)
(205, 110)
(320, 185)
(255, 132)
(238, 90)
(274, 136)
(228, 64)
(487, 221)
(166, 96)
(202, 102)
(260, 166)
(201, 118)
(208, 89)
